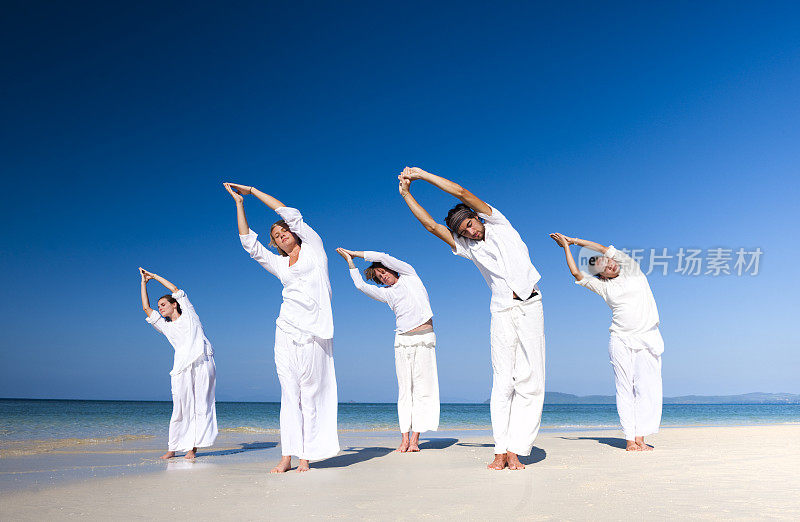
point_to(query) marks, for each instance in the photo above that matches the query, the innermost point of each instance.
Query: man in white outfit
(635, 345)
(480, 233)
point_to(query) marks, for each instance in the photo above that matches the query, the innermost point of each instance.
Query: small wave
(33, 447)
(250, 429)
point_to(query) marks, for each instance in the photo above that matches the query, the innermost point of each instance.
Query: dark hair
(458, 214)
(281, 223)
(370, 273)
(172, 300)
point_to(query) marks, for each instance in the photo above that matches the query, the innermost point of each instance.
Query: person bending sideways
(303, 333)
(414, 341)
(480, 233)
(635, 344)
(194, 416)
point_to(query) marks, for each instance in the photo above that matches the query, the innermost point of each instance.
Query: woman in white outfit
(414, 342)
(480, 233)
(194, 416)
(635, 345)
(304, 330)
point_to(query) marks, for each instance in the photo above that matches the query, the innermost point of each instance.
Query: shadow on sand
(440, 443)
(537, 454)
(247, 446)
(614, 442)
(353, 456)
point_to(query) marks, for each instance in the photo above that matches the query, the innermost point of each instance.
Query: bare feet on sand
(303, 466)
(191, 454)
(403, 447)
(413, 444)
(499, 461)
(513, 461)
(284, 465)
(167, 455)
(642, 445)
(632, 446)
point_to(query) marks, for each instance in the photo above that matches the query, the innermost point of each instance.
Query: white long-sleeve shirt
(306, 286)
(503, 260)
(633, 307)
(407, 298)
(185, 334)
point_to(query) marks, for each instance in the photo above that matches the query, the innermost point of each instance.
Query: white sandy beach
(706, 472)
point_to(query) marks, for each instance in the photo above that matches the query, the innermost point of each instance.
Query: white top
(632, 304)
(407, 298)
(306, 287)
(503, 259)
(185, 334)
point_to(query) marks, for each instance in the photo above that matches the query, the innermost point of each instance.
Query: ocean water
(114, 421)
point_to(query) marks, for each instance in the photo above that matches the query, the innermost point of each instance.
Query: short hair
(281, 223)
(370, 273)
(457, 214)
(172, 300)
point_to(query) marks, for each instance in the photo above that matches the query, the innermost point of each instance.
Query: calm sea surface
(54, 419)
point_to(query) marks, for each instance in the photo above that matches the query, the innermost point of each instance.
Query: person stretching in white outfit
(635, 345)
(414, 342)
(303, 333)
(194, 416)
(480, 233)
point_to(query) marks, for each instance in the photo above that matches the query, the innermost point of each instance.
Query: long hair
(370, 273)
(281, 223)
(174, 301)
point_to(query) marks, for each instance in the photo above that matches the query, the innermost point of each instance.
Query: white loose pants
(517, 341)
(417, 382)
(637, 375)
(194, 414)
(309, 401)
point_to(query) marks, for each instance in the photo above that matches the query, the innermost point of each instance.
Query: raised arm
(348, 256)
(145, 298)
(437, 229)
(591, 245)
(172, 288)
(379, 294)
(265, 198)
(452, 188)
(392, 263)
(564, 242)
(241, 219)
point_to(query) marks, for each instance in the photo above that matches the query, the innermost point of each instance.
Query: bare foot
(167, 455)
(191, 454)
(513, 461)
(303, 466)
(642, 445)
(284, 465)
(499, 461)
(413, 444)
(632, 446)
(403, 444)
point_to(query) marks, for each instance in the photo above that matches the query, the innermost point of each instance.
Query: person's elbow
(430, 225)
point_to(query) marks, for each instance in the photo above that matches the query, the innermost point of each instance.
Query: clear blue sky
(650, 126)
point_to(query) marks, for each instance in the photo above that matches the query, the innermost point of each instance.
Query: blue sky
(646, 126)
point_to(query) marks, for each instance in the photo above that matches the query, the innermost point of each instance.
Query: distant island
(747, 398)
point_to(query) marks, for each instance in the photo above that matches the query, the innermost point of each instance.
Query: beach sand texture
(714, 473)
